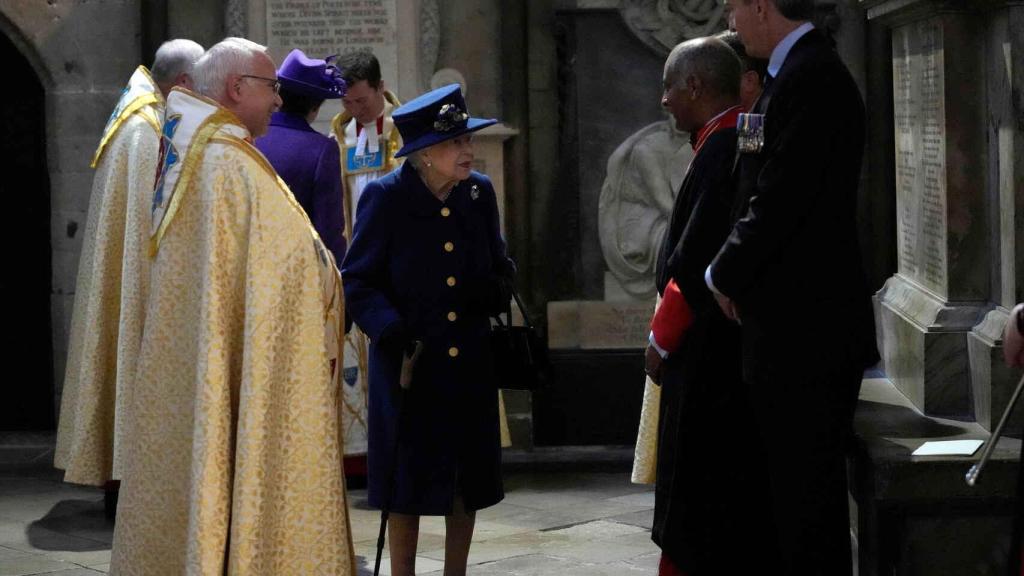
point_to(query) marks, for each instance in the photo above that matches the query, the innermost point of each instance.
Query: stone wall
(83, 53)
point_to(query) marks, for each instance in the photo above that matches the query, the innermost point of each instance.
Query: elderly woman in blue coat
(427, 264)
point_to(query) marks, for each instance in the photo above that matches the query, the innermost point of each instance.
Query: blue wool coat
(422, 264)
(309, 163)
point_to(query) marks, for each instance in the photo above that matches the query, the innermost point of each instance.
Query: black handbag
(520, 357)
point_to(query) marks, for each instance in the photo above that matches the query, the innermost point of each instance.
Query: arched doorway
(26, 357)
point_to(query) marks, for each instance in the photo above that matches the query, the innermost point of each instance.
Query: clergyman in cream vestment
(234, 458)
(106, 324)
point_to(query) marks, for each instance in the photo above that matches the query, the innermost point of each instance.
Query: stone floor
(570, 524)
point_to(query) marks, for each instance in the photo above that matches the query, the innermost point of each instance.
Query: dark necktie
(766, 83)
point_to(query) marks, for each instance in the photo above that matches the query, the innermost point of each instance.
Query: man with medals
(791, 275)
(707, 500)
(368, 141)
(113, 275)
(233, 464)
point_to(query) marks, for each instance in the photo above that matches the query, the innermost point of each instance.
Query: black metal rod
(404, 384)
(975, 471)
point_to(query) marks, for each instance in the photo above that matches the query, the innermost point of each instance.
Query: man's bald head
(701, 79)
(709, 60)
(172, 65)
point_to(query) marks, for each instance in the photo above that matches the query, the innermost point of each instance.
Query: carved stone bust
(643, 176)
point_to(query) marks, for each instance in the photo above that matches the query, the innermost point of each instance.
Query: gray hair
(709, 59)
(174, 58)
(227, 57)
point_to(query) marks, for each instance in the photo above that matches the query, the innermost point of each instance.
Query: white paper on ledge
(949, 448)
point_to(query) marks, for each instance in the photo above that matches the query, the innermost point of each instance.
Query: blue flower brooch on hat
(434, 117)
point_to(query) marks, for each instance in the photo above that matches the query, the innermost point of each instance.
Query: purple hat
(311, 76)
(434, 117)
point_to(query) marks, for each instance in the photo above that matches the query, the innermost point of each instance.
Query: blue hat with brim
(434, 117)
(311, 77)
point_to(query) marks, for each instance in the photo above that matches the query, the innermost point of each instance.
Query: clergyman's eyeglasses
(274, 83)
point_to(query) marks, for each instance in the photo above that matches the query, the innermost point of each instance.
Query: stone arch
(27, 49)
(25, 234)
(81, 53)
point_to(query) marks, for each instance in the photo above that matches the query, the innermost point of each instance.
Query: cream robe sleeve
(645, 454)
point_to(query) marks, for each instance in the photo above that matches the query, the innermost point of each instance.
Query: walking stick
(404, 383)
(975, 471)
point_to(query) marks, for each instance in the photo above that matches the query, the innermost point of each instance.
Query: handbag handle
(522, 309)
(508, 310)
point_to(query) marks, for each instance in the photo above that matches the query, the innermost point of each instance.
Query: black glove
(394, 339)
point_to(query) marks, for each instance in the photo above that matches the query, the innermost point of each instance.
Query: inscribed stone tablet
(614, 325)
(324, 27)
(920, 125)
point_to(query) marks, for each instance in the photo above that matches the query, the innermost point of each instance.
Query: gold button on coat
(451, 280)
(448, 246)
(445, 212)
(453, 351)
(452, 316)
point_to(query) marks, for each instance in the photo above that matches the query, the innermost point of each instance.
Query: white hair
(415, 159)
(227, 57)
(174, 58)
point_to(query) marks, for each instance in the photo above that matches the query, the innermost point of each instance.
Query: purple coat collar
(286, 120)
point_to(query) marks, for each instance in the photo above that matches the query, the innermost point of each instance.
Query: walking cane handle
(972, 475)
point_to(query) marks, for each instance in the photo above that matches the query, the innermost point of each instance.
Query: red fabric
(667, 568)
(355, 465)
(380, 126)
(726, 120)
(671, 319)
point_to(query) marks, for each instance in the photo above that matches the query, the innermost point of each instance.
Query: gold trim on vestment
(203, 133)
(131, 108)
(260, 159)
(149, 115)
(135, 106)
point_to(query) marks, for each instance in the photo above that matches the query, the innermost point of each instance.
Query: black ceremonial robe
(710, 494)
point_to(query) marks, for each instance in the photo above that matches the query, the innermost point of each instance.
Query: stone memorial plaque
(919, 107)
(614, 324)
(595, 324)
(324, 27)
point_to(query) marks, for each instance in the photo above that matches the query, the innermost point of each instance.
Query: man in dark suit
(707, 499)
(791, 274)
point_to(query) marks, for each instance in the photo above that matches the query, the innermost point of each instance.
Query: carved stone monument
(642, 179)
(324, 27)
(956, 158)
(403, 35)
(624, 209)
(941, 288)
